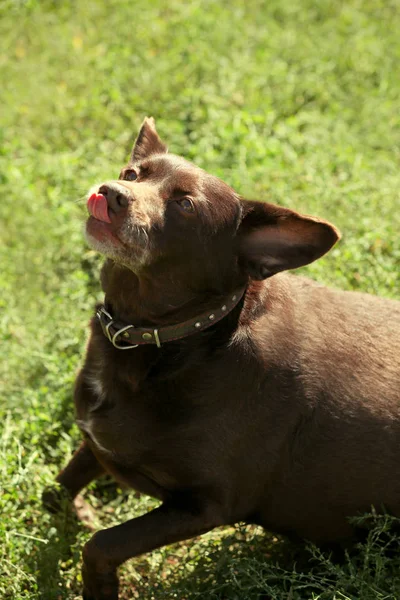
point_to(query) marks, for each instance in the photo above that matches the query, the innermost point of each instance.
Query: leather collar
(125, 336)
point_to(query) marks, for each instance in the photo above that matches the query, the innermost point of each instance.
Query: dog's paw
(100, 586)
(100, 580)
(55, 499)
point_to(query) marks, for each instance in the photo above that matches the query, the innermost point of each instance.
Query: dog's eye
(186, 204)
(130, 175)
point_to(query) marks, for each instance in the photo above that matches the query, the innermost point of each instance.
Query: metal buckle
(117, 333)
(106, 328)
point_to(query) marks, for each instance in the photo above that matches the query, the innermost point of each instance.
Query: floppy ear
(148, 141)
(273, 239)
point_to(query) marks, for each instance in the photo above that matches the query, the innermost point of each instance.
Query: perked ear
(273, 239)
(148, 141)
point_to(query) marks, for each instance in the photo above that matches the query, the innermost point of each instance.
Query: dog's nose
(116, 197)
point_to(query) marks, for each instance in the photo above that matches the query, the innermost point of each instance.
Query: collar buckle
(103, 314)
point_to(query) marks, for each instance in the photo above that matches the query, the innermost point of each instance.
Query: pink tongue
(98, 207)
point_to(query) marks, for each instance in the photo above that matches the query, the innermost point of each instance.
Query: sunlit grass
(291, 101)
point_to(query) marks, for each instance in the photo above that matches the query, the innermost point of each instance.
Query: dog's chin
(101, 232)
(103, 240)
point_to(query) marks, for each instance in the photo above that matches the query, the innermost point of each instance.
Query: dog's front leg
(109, 548)
(79, 472)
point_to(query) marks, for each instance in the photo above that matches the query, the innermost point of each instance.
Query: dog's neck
(145, 300)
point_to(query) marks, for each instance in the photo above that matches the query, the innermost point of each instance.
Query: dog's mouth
(114, 234)
(99, 225)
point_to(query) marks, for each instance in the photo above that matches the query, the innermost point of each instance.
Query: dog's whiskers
(80, 200)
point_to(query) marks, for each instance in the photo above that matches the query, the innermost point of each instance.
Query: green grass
(292, 101)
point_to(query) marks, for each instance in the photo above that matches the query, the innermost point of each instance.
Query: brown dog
(228, 394)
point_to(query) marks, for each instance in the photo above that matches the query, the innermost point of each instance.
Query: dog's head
(164, 213)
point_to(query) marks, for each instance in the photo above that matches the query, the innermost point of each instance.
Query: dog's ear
(272, 239)
(147, 142)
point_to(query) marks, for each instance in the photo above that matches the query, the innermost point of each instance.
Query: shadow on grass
(54, 563)
(244, 563)
(252, 565)
(238, 565)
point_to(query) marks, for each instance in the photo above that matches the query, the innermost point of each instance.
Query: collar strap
(125, 336)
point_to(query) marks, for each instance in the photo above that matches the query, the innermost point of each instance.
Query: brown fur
(286, 413)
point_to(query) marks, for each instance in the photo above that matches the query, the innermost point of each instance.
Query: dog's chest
(115, 415)
(150, 428)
